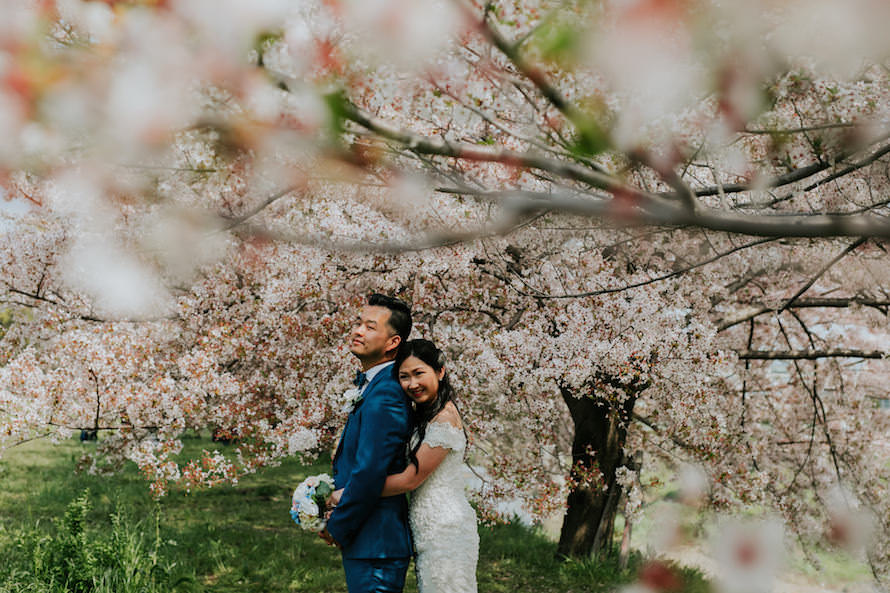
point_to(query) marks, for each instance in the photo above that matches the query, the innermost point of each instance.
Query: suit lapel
(369, 389)
(365, 395)
(377, 379)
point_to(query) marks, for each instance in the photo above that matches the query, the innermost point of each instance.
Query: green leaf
(590, 140)
(337, 106)
(324, 490)
(557, 41)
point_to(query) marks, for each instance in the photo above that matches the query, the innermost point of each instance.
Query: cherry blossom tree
(654, 225)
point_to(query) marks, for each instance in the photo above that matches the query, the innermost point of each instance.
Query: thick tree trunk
(600, 434)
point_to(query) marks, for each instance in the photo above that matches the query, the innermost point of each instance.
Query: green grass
(225, 539)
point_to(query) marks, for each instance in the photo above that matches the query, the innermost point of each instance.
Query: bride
(443, 524)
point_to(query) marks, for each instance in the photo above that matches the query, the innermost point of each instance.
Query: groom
(371, 531)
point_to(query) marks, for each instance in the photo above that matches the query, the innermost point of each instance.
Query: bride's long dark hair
(427, 352)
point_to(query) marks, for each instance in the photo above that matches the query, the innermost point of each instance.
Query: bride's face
(419, 380)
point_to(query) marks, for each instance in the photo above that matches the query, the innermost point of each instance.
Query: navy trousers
(375, 575)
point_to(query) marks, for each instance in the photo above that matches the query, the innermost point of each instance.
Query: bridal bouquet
(309, 503)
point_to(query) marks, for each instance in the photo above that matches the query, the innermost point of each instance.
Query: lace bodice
(443, 523)
(444, 434)
(450, 473)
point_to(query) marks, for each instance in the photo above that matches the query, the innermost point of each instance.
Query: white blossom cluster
(197, 196)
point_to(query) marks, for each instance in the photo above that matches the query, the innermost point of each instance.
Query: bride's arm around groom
(372, 447)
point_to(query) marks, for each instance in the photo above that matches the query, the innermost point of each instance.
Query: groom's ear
(393, 343)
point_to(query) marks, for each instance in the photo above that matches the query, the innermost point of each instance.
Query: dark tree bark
(600, 435)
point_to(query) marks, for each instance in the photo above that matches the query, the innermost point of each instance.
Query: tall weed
(84, 558)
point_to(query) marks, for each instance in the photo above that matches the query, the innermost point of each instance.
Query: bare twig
(810, 354)
(821, 272)
(801, 303)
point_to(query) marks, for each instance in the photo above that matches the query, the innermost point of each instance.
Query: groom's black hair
(399, 314)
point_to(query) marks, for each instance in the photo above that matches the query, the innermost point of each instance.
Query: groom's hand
(323, 534)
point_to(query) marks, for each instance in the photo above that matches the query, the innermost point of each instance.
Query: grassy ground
(226, 539)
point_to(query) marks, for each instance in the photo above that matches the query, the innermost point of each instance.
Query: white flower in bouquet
(309, 502)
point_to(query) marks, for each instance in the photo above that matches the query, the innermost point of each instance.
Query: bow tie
(359, 379)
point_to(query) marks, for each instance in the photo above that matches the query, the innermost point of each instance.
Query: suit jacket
(373, 446)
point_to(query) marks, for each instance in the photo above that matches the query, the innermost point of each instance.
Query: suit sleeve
(382, 435)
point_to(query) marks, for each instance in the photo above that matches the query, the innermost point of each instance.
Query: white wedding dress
(443, 523)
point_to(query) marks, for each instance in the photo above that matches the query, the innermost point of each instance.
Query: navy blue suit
(373, 531)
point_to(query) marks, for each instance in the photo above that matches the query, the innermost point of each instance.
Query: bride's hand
(334, 499)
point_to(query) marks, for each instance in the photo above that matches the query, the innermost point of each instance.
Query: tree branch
(802, 129)
(626, 205)
(49, 301)
(797, 174)
(431, 240)
(801, 303)
(837, 174)
(653, 427)
(809, 354)
(232, 222)
(821, 272)
(475, 152)
(542, 295)
(537, 76)
(626, 212)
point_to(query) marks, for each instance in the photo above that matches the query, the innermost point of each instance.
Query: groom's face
(371, 338)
